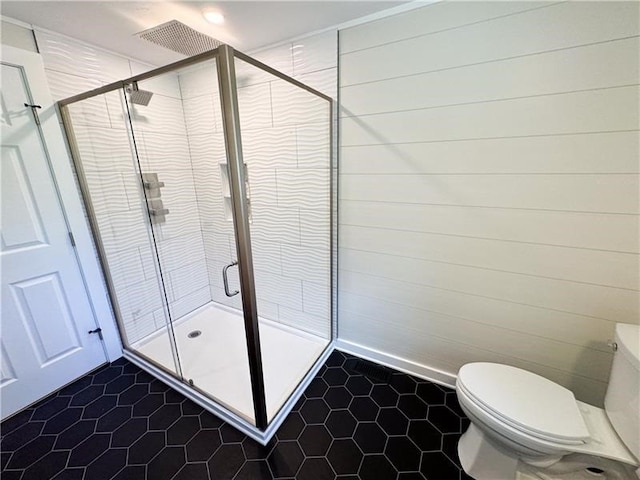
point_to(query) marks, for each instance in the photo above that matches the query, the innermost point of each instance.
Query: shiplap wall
(489, 185)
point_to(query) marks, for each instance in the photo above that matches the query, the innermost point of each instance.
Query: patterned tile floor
(120, 423)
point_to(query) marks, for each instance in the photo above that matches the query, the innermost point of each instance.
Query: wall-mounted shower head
(137, 96)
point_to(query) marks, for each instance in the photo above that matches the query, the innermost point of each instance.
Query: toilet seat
(526, 403)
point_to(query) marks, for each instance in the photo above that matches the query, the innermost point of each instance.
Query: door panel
(46, 313)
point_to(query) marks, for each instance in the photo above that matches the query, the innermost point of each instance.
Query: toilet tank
(622, 401)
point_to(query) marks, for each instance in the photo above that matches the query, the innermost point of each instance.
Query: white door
(46, 313)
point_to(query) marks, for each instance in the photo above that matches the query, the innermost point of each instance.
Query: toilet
(524, 426)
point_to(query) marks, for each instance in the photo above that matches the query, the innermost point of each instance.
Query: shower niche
(209, 186)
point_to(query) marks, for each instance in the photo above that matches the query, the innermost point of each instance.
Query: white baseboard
(407, 366)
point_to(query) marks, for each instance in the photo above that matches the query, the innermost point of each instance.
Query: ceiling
(248, 25)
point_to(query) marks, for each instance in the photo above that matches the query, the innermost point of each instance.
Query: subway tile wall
(179, 137)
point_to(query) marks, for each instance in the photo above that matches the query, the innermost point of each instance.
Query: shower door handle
(225, 280)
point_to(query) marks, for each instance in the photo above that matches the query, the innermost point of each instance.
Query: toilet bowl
(526, 426)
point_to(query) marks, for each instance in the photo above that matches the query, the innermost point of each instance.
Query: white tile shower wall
(73, 67)
(489, 185)
(285, 137)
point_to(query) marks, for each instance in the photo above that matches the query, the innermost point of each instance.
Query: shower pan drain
(194, 334)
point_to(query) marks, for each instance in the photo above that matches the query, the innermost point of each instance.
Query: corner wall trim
(406, 366)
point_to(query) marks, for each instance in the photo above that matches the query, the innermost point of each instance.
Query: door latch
(35, 111)
(98, 331)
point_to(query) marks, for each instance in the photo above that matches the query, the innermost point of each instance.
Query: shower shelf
(226, 192)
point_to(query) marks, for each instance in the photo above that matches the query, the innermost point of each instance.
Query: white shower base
(217, 360)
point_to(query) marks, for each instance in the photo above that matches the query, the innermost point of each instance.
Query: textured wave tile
(202, 114)
(126, 265)
(113, 192)
(162, 115)
(137, 299)
(218, 296)
(189, 303)
(104, 149)
(294, 106)
(249, 75)
(219, 245)
(166, 84)
(92, 111)
(316, 299)
(313, 144)
(316, 52)
(187, 279)
(66, 55)
(313, 324)
(254, 106)
(199, 79)
(267, 309)
(140, 327)
(179, 251)
(315, 228)
(162, 151)
(303, 188)
(269, 147)
(307, 264)
(267, 256)
(207, 151)
(117, 108)
(325, 81)
(279, 58)
(63, 85)
(275, 224)
(125, 228)
(262, 185)
(278, 289)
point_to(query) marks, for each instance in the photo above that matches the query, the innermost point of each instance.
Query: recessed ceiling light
(213, 16)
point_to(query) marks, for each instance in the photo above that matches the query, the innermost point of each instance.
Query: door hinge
(72, 240)
(98, 331)
(34, 109)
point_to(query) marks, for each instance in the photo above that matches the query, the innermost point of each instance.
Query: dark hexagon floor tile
(132, 394)
(128, 432)
(166, 464)
(47, 467)
(181, 432)
(314, 411)
(70, 474)
(145, 448)
(315, 440)
(444, 419)
(209, 420)
(384, 395)
(190, 408)
(31, 452)
(315, 469)
(113, 419)
(164, 417)
(425, 435)
(87, 451)
(255, 470)
(132, 472)
(120, 384)
(50, 408)
(107, 465)
(341, 423)
(100, 406)
(335, 376)
(403, 454)
(436, 465)
(255, 451)
(143, 377)
(377, 467)
(450, 447)
(21, 436)
(193, 471)
(451, 400)
(86, 396)
(76, 386)
(412, 407)
(147, 405)
(156, 386)
(370, 437)
(17, 421)
(393, 421)
(226, 462)
(410, 476)
(12, 474)
(316, 388)
(431, 394)
(338, 397)
(359, 385)
(336, 359)
(172, 396)
(291, 427)
(231, 434)
(75, 434)
(344, 456)
(364, 409)
(61, 421)
(107, 374)
(285, 459)
(203, 445)
(403, 383)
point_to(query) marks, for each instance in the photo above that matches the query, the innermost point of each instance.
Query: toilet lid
(525, 400)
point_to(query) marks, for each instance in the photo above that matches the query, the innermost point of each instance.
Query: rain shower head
(180, 38)
(137, 96)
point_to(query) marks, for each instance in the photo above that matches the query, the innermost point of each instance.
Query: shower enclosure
(209, 186)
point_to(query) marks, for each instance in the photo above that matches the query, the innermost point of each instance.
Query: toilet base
(483, 460)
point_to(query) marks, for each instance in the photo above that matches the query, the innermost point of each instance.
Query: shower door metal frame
(263, 430)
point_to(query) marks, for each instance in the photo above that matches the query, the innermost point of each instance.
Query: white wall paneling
(489, 186)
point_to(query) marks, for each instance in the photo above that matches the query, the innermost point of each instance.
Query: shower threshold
(212, 352)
